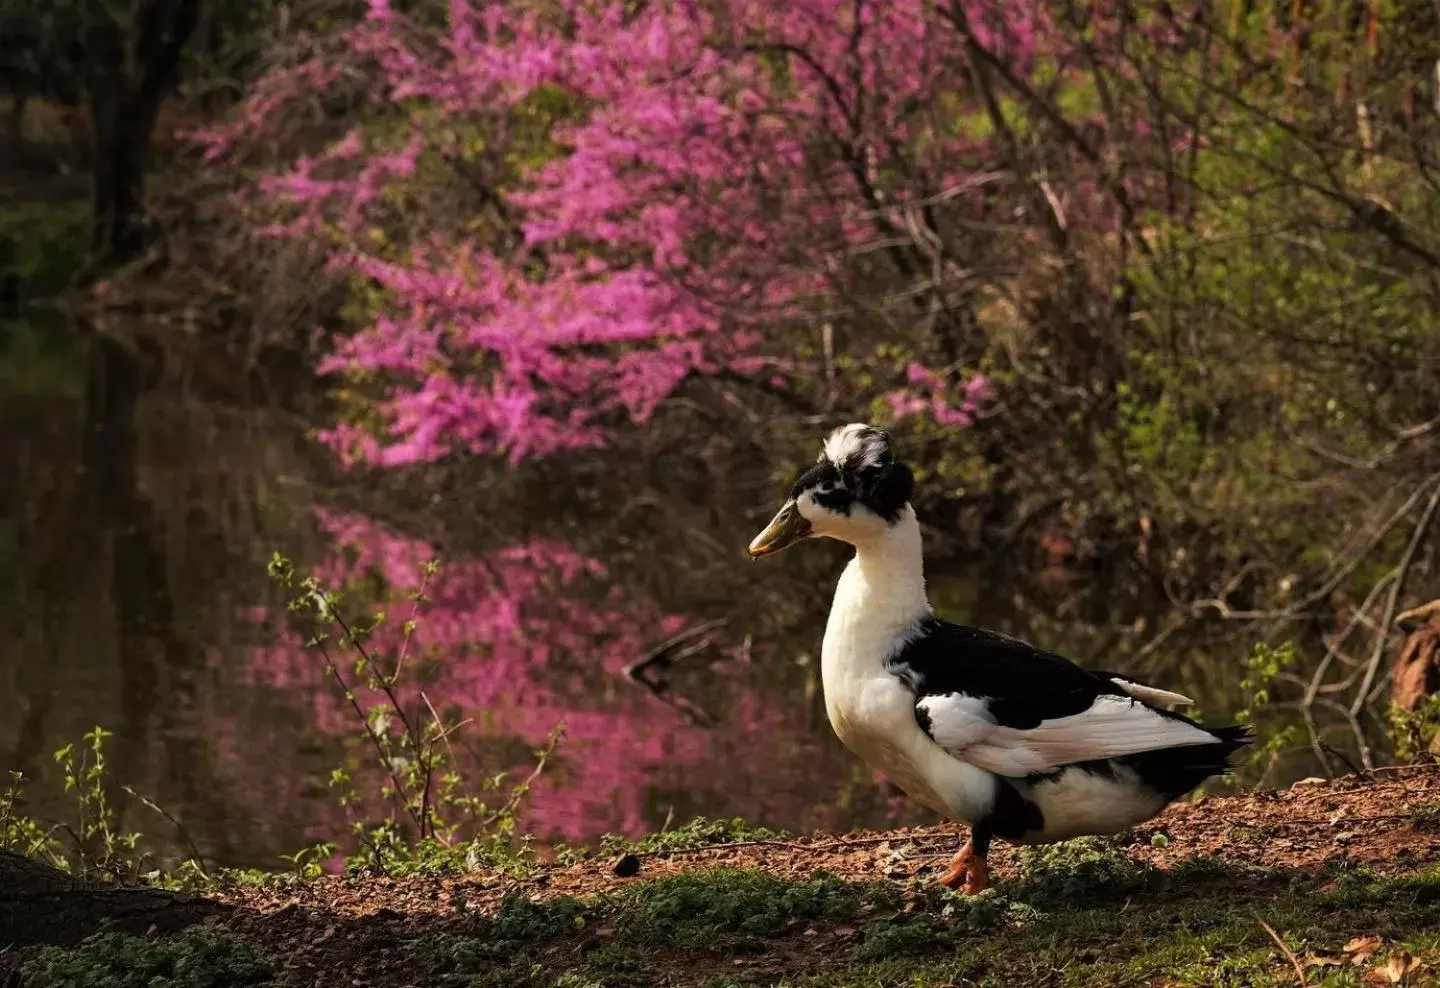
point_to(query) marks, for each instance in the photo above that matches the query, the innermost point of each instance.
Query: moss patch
(1081, 915)
(199, 958)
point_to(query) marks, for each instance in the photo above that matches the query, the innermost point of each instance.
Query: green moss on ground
(1079, 914)
(691, 836)
(203, 957)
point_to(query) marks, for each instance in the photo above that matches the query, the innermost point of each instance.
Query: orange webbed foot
(968, 869)
(978, 878)
(959, 868)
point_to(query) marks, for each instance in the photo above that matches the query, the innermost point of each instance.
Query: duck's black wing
(1016, 710)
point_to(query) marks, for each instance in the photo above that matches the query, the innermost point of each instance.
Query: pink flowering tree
(557, 214)
(552, 215)
(560, 219)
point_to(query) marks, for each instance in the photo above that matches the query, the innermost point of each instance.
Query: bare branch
(1383, 634)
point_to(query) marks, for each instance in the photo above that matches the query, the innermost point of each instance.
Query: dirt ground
(351, 930)
(1349, 821)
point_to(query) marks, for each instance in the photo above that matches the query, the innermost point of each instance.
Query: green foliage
(570, 979)
(1205, 937)
(1196, 926)
(98, 847)
(695, 834)
(1092, 868)
(437, 824)
(201, 957)
(509, 948)
(938, 919)
(700, 909)
(1263, 669)
(1413, 731)
(44, 244)
(101, 846)
(1264, 666)
(911, 935)
(21, 834)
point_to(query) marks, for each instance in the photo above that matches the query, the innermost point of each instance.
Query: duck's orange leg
(969, 866)
(978, 879)
(959, 868)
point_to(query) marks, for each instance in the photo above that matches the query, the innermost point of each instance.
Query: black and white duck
(979, 727)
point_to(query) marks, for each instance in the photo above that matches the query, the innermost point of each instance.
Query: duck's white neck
(879, 600)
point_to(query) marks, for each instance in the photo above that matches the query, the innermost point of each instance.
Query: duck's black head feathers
(858, 466)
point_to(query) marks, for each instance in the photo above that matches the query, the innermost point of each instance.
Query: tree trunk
(129, 76)
(15, 124)
(123, 129)
(42, 906)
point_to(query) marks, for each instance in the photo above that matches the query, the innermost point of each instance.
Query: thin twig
(79, 847)
(1383, 633)
(1301, 607)
(1358, 773)
(444, 736)
(1294, 961)
(1333, 651)
(669, 652)
(422, 817)
(194, 851)
(410, 626)
(519, 792)
(1312, 690)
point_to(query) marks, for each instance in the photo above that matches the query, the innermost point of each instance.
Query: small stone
(627, 866)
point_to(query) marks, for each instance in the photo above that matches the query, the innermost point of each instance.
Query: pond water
(138, 511)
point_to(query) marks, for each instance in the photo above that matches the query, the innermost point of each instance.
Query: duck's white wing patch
(1112, 726)
(955, 721)
(1152, 694)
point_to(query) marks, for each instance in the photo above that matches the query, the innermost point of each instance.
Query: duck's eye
(821, 477)
(834, 498)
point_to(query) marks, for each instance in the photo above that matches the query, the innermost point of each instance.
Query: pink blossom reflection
(533, 636)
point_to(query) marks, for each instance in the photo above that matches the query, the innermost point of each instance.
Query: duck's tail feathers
(1176, 771)
(1233, 736)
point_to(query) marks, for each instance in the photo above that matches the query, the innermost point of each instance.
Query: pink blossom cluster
(929, 394)
(708, 166)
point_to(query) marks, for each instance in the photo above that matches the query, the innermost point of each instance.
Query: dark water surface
(136, 519)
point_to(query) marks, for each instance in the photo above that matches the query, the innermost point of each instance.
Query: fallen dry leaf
(1399, 967)
(1360, 948)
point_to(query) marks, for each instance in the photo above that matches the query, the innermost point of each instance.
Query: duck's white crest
(856, 445)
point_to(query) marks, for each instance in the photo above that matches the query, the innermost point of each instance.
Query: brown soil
(1306, 827)
(341, 931)
(375, 931)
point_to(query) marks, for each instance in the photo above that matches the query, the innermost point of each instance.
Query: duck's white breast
(873, 712)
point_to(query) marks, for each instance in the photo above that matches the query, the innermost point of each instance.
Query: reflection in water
(134, 510)
(530, 637)
(139, 514)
